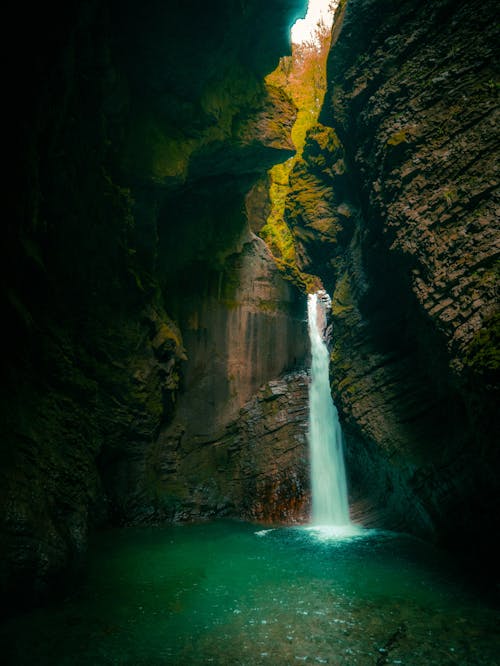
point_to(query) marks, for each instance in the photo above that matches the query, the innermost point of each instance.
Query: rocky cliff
(242, 327)
(139, 129)
(153, 357)
(408, 242)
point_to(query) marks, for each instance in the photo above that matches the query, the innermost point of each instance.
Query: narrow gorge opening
(178, 388)
(302, 75)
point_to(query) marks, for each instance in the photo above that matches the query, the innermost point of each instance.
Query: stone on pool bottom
(234, 593)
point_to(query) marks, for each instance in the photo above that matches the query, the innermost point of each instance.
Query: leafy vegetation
(303, 77)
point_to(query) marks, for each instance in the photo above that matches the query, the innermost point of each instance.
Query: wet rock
(138, 134)
(317, 209)
(245, 328)
(256, 469)
(412, 98)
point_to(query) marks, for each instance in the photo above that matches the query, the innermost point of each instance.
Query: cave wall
(137, 133)
(409, 249)
(243, 326)
(136, 297)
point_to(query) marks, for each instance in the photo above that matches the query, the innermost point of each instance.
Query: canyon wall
(242, 327)
(154, 355)
(404, 170)
(137, 132)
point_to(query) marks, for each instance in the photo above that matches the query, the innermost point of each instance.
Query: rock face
(256, 467)
(139, 131)
(153, 361)
(410, 252)
(242, 328)
(317, 209)
(424, 134)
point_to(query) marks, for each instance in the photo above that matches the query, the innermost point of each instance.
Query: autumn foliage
(303, 76)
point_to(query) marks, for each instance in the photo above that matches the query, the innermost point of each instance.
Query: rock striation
(409, 248)
(243, 327)
(139, 130)
(255, 467)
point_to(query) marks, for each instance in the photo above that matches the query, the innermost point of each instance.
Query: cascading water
(328, 479)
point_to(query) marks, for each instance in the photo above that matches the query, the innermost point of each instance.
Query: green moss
(450, 195)
(483, 353)
(325, 137)
(268, 306)
(151, 151)
(397, 138)
(168, 336)
(303, 77)
(279, 239)
(304, 281)
(275, 232)
(342, 297)
(325, 226)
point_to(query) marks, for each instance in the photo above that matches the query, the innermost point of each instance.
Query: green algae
(303, 77)
(342, 301)
(398, 138)
(483, 353)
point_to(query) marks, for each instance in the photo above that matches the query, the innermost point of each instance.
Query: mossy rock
(397, 138)
(168, 339)
(342, 301)
(483, 353)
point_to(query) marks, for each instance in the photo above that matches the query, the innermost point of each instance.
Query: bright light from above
(304, 29)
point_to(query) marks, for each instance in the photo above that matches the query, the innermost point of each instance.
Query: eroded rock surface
(242, 328)
(255, 467)
(138, 131)
(413, 266)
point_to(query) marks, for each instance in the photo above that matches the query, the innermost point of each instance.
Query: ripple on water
(228, 594)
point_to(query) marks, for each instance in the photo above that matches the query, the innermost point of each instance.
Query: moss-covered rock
(483, 354)
(317, 209)
(138, 133)
(415, 349)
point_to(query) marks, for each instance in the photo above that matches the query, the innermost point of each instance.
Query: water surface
(232, 593)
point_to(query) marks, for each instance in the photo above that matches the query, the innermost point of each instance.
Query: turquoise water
(231, 593)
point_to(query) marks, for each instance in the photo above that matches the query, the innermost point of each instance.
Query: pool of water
(232, 593)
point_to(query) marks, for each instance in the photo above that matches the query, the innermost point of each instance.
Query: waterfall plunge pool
(233, 593)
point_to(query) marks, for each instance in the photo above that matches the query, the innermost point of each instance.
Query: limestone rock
(413, 99)
(244, 327)
(137, 133)
(256, 467)
(317, 209)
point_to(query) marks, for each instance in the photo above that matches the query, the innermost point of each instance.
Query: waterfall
(328, 479)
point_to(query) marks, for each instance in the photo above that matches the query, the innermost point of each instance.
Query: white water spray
(328, 479)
